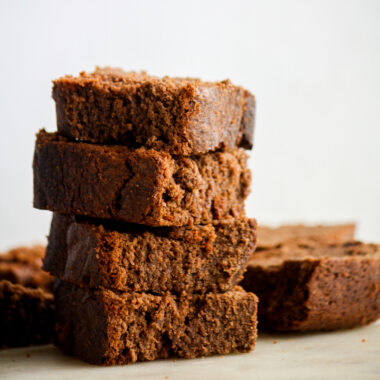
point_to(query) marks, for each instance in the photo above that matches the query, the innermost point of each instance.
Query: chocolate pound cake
(179, 116)
(105, 327)
(335, 234)
(26, 315)
(135, 258)
(139, 186)
(315, 286)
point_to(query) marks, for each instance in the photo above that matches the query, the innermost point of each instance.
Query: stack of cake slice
(147, 179)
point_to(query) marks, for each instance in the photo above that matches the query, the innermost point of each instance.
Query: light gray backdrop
(313, 65)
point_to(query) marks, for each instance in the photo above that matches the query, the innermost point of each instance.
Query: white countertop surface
(350, 354)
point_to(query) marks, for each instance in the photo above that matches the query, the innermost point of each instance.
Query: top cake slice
(177, 115)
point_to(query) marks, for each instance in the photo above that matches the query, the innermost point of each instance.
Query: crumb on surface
(275, 341)
(364, 340)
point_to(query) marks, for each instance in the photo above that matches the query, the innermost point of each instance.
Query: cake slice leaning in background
(311, 285)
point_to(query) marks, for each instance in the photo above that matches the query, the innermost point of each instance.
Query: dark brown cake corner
(26, 301)
(26, 315)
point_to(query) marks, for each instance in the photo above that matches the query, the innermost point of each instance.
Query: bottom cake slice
(106, 327)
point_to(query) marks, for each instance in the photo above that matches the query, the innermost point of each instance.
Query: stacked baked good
(147, 179)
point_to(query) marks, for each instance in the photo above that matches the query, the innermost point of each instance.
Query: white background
(313, 66)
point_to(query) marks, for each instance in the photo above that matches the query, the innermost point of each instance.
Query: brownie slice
(139, 186)
(177, 115)
(334, 234)
(23, 266)
(106, 327)
(316, 286)
(135, 258)
(26, 315)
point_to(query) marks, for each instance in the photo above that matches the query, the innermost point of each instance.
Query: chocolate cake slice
(135, 258)
(138, 186)
(308, 286)
(178, 115)
(106, 327)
